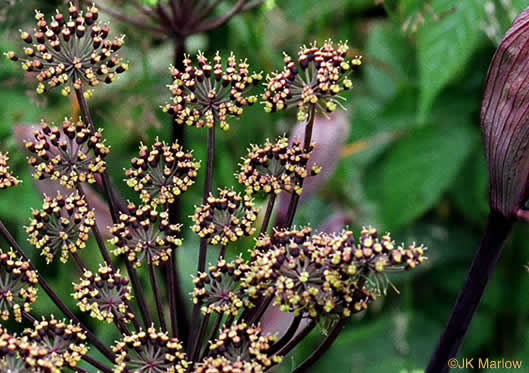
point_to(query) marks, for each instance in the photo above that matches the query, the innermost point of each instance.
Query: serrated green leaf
(444, 47)
(413, 176)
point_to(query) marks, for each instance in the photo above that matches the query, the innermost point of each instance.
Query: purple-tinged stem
(198, 340)
(292, 206)
(178, 312)
(157, 298)
(297, 338)
(97, 364)
(204, 241)
(96, 232)
(138, 290)
(268, 213)
(208, 185)
(222, 252)
(212, 335)
(323, 348)
(287, 336)
(496, 233)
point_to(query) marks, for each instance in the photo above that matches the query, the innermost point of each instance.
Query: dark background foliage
(413, 163)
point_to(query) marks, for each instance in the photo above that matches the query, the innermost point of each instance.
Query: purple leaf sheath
(505, 121)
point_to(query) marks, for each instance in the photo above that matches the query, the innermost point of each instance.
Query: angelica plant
(313, 276)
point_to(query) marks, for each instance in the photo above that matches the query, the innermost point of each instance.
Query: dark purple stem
(198, 340)
(212, 335)
(323, 348)
(138, 290)
(306, 146)
(96, 232)
(178, 312)
(157, 298)
(287, 336)
(268, 213)
(496, 233)
(297, 338)
(204, 241)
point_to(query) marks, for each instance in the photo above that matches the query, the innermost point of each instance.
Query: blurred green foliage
(422, 175)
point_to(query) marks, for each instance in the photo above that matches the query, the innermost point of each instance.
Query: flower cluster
(222, 365)
(136, 236)
(225, 218)
(10, 360)
(207, 94)
(7, 180)
(18, 288)
(308, 274)
(162, 173)
(150, 351)
(317, 274)
(374, 254)
(70, 155)
(63, 343)
(276, 167)
(219, 290)
(71, 51)
(19, 354)
(317, 79)
(246, 343)
(104, 294)
(62, 225)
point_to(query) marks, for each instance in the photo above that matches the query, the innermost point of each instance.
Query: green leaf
(445, 47)
(413, 176)
(472, 200)
(389, 60)
(402, 340)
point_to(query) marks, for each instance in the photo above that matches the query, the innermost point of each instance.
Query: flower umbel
(18, 286)
(276, 167)
(220, 364)
(318, 78)
(151, 351)
(219, 290)
(246, 343)
(145, 235)
(62, 225)
(208, 93)
(65, 343)
(71, 51)
(225, 218)
(7, 180)
(70, 155)
(162, 173)
(104, 294)
(317, 274)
